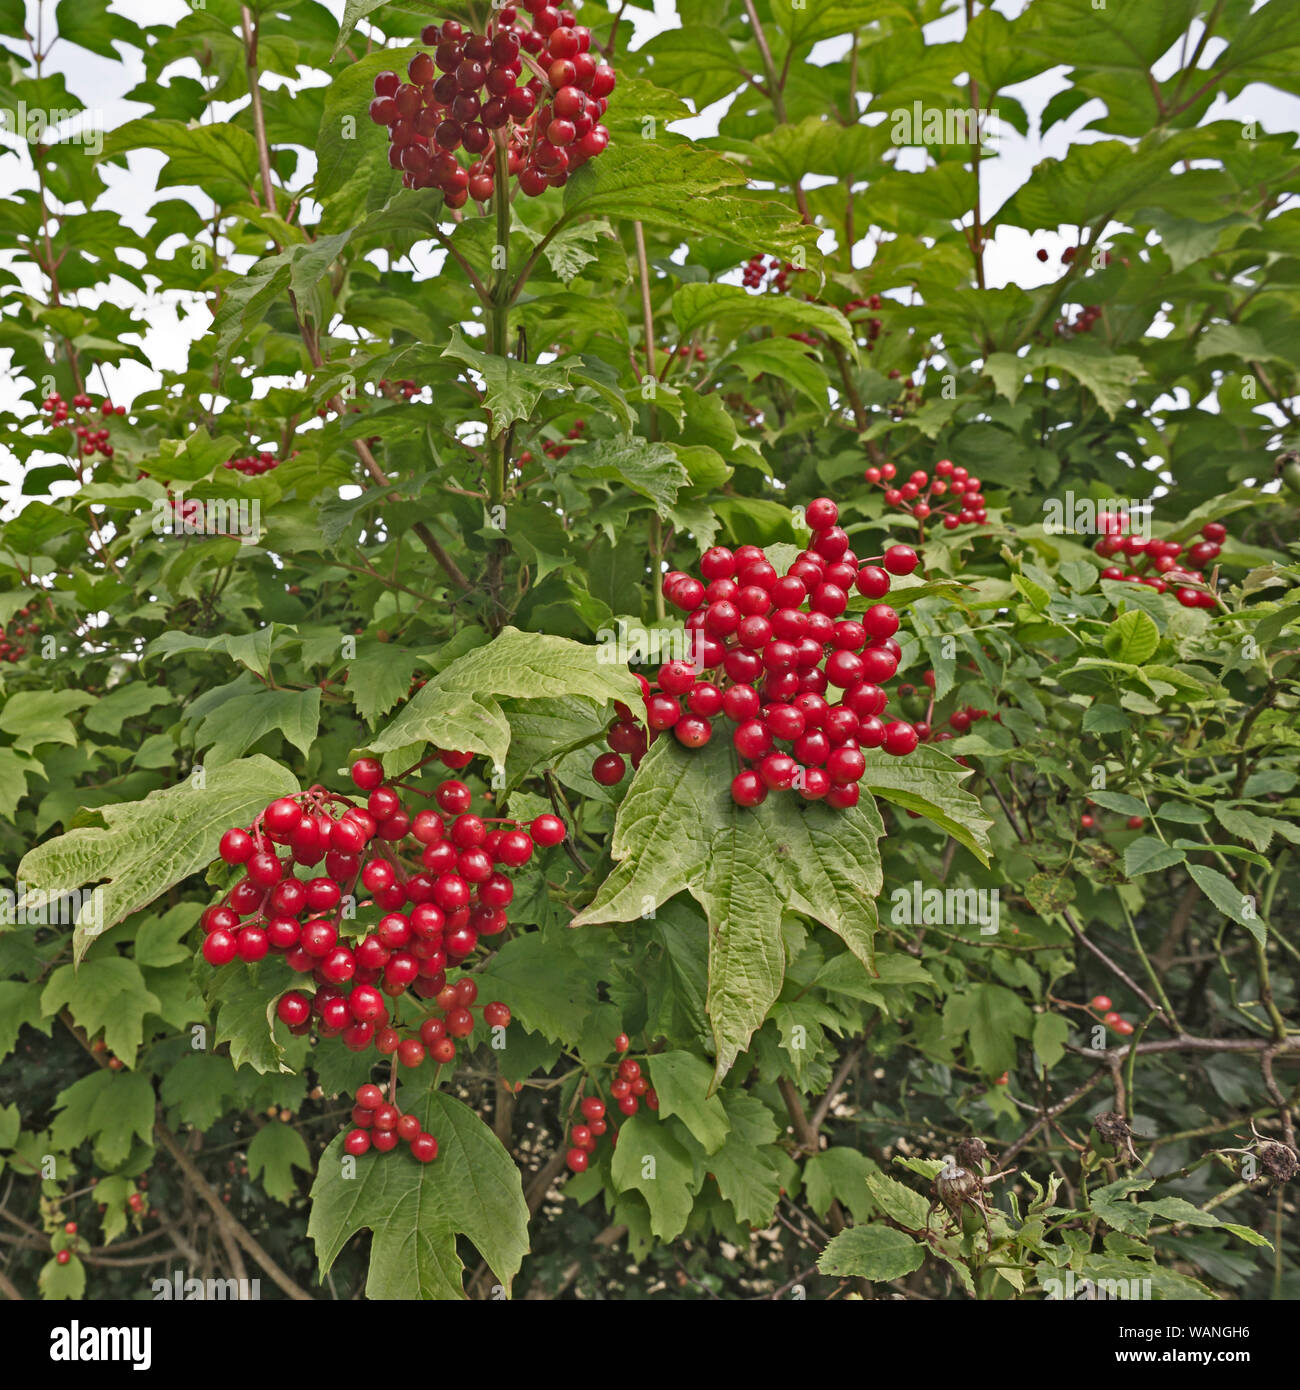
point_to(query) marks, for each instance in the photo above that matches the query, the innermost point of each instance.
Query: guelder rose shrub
(642, 714)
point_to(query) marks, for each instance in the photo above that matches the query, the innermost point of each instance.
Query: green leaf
(147, 846)
(747, 1168)
(277, 1149)
(650, 470)
(235, 725)
(511, 389)
(449, 719)
(34, 717)
(671, 183)
(928, 782)
(993, 1017)
(535, 666)
(682, 1082)
(875, 1252)
(1049, 1037)
(1132, 638)
(1147, 855)
(110, 1108)
(107, 993)
(217, 156)
(746, 950)
(416, 1210)
(650, 1161)
(733, 311)
(57, 1281)
(897, 1201)
(838, 1174)
(200, 1086)
(1229, 899)
(548, 986)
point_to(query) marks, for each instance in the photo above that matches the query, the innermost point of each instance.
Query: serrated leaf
(108, 993)
(277, 1149)
(682, 1081)
(874, 1252)
(109, 1108)
(929, 782)
(416, 1211)
(1132, 638)
(1229, 899)
(150, 845)
(1147, 855)
(650, 1161)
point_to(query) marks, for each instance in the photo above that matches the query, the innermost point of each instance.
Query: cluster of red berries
(379, 1124)
(252, 464)
(960, 720)
(1155, 563)
(552, 448)
(11, 649)
(457, 894)
(920, 496)
(469, 87)
(871, 324)
(775, 271)
(1100, 1004)
(91, 441)
(628, 1089)
(782, 642)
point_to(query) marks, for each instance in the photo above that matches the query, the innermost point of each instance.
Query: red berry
(901, 559)
(1100, 1002)
(548, 830)
(220, 947)
(577, 1161)
(609, 769)
(367, 774)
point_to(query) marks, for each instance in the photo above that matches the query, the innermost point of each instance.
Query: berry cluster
(1155, 563)
(1100, 1004)
(11, 649)
(775, 271)
(1082, 322)
(552, 448)
(252, 464)
(434, 913)
(469, 87)
(91, 441)
(782, 642)
(951, 495)
(627, 1091)
(379, 1124)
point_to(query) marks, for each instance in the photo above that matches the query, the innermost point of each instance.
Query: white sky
(177, 319)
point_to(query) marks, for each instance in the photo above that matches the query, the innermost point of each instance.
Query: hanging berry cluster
(775, 271)
(252, 464)
(91, 441)
(11, 649)
(782, 643)
(553, 448)
(435, 912)
(628, 1089)
(469, 87)
(951, 496)
(1155, 562)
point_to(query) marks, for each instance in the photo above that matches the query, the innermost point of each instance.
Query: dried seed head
(1278, 1161)
(1113, 1128)
(971, 1153)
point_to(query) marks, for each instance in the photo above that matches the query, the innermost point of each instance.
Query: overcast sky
(176, 320)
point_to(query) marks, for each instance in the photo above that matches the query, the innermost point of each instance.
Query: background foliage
(814, 1064)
